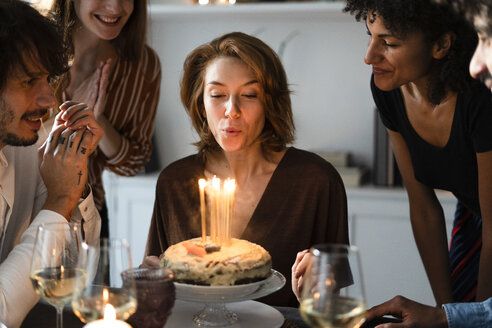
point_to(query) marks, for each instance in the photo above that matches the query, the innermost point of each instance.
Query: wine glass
(55, 266)
(104, 285)
(332, 294)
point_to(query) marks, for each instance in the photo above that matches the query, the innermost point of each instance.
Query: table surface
(43, 316)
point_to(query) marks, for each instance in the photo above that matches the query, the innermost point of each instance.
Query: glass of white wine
(104, 285)
(332, 293)
(55, 264)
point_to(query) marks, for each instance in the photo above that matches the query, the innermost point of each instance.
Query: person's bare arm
(428, 224)
(484, 161)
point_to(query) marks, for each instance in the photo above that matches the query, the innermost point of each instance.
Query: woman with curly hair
(438, 120)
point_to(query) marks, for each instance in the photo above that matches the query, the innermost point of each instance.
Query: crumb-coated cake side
(237, 262)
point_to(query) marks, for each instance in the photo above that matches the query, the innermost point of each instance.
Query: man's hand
(298, 271)
(63, 167)
(413, 314)
(76, 116)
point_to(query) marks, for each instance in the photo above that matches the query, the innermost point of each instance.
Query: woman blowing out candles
(236, 93)
(438, 120)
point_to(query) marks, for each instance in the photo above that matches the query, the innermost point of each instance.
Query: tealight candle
(103, 323)
(109, 320)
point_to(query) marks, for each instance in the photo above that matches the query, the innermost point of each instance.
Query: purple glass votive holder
(155, 296)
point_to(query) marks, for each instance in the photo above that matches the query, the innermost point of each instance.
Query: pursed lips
(231, 130)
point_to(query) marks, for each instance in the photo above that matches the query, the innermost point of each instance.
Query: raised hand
(93, 87)
(100, 101)
(63, 166)
(76, 116)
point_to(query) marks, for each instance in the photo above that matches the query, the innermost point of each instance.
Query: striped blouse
(133, 95)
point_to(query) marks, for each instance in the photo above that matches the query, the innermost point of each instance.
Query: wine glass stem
(59, 317)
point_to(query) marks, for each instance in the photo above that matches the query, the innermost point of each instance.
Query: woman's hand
(298, 270)
(413, 314)
(100, 100)
(92, 90)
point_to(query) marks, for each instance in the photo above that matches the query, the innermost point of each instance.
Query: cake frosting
(237, 262)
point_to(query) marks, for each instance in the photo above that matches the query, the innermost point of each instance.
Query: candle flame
(216, 183)
(202, 183)
(109, 312)
(105, 295)
(230, 185)
(221, 202)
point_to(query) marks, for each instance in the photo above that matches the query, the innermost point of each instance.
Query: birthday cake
(233, 263)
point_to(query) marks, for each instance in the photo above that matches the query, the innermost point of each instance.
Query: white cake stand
(215, 313)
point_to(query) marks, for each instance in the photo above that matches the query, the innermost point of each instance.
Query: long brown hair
(129, 44)
(279, 124)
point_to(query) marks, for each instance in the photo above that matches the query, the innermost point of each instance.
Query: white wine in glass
(55, 264)
(104, 284)
(333, 293)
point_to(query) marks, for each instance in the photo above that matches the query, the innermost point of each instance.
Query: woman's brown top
(303, 204)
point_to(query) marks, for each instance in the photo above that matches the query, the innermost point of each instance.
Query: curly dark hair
(471, 9)
(279, 124)
(433, 20)
(28, 37)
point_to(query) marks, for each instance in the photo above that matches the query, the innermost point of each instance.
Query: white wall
(333, 107)
(333, 111)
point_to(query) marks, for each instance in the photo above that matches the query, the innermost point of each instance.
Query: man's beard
(13, 140)
(7, 138)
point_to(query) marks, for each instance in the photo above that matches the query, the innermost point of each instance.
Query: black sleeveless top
(454, 166)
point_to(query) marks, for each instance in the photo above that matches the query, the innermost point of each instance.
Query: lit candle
(215, 208)
(109, 320)
(230, 187)
(105, 297)
(202, 183)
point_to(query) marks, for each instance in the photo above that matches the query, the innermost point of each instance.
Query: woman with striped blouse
(119, 75)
